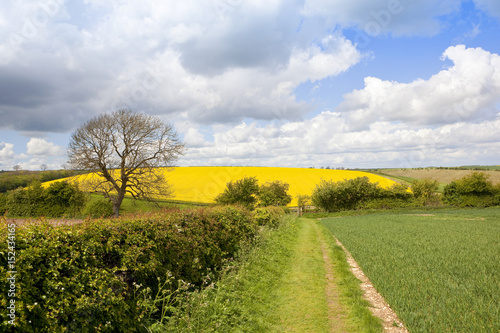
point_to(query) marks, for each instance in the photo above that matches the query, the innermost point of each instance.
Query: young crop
(438, 271)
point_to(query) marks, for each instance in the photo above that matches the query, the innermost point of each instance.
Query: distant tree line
(11, 180)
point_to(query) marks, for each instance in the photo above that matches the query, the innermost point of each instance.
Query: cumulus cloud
(467, 91)
(6, 151)
(208, 62)
(40, 147)
(323, 141)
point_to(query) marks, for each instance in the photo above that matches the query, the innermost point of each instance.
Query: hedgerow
(102, 275)
(59, 199)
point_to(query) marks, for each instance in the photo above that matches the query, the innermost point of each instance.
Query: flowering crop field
(203, 184)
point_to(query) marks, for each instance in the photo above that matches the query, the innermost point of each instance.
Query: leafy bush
(269, 216)
(100, 208)
(60, 198)
(274, 194)
(424, 188)
(3, 203)
(96, 276)
(474, 190)
(240, 192)
(476, 184)
(343, 195)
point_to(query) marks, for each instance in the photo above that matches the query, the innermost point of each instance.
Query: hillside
(203, 184)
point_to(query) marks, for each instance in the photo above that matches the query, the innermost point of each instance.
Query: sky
(288, 83)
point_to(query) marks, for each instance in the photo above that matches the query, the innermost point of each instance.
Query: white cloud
(42, 148)
(324, 141)
(467, 91)
(6, 151)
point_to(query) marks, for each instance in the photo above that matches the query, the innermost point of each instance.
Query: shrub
(476, 184)
(60, 198)
(3, 203)
(63, 198)
(269, 216)
(100, 208)
(274, 194)
(335, 196)
(424, 188)
(96, 276)
(240, 192)
(474, 190)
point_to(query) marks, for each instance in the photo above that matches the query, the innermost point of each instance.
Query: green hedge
(270, 216)
(98, 276)
(59, 199)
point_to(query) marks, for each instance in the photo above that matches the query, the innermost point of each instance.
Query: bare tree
(17, 167)
(125, 150)
(43, 167)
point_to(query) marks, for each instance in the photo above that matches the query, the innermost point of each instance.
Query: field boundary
(379, 307)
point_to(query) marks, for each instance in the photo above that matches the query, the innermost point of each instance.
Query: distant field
(203, 184)
(441, 175)
(438, 271)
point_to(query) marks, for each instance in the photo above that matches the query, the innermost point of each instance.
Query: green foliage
(438, 271)
(474, 190)
(240, 192)
(99, 275)
(476, 183)
(303, 200)
(344, 195)
(100, 208)
(12, 180)
(274, 194)
(3, 203)
(60, 198)
(424, 188)
(270, 216)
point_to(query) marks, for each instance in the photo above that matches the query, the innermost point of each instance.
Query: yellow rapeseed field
(203, 184)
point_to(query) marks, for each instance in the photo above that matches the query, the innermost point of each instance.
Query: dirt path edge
(380, 308)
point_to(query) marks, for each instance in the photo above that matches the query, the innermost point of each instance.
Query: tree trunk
(117, 203)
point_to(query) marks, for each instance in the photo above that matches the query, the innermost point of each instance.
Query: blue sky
(357, 84)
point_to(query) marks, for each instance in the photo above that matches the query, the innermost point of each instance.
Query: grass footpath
(296, 280)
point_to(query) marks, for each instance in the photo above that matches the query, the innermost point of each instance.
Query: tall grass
(439, 271)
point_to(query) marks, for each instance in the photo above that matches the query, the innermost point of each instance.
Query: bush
(60, 198)
(240, 192)
(269, 216)
(96, 276)
(344, 195)
(274, 194)
(3, 203)
(474, 190)
(100, 208)
(476, 184)
(424, 188)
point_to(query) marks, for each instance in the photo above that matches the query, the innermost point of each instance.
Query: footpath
(310, 297)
